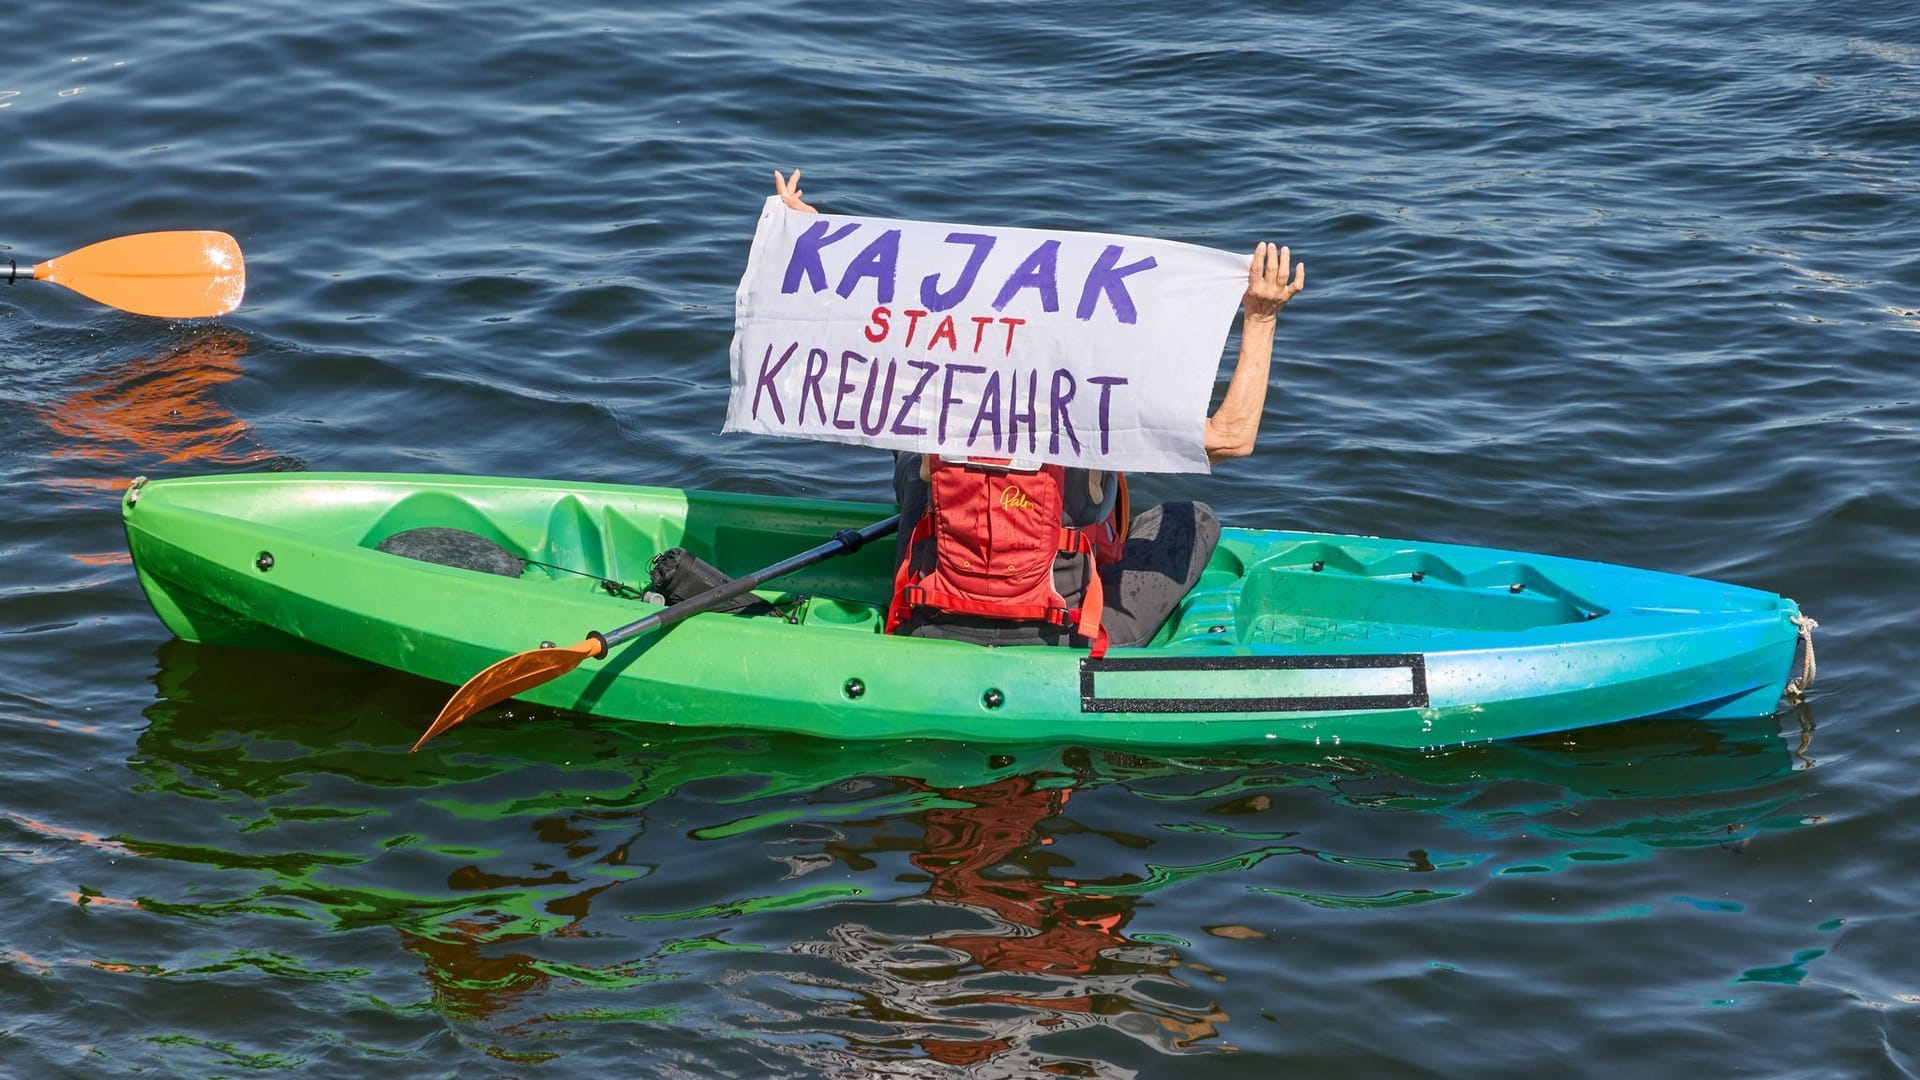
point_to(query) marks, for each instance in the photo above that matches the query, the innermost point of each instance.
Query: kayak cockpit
(1313, 591)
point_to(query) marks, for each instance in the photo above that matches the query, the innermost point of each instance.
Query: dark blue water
(1641, 286)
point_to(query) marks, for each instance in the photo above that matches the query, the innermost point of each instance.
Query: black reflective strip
(1415, 663)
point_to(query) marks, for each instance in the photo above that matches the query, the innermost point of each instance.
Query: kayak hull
(1294, 637)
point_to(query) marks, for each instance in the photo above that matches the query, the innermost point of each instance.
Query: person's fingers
(1260, 267)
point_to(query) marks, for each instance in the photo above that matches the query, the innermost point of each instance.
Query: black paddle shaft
(844, 542)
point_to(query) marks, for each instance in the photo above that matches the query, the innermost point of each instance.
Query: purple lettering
(1014, 415)
(1063, 389)
(1106, 383)
(1105, 278)
(989, 408)
(947, 400)
(913, 398)
(871, 423)
(765, 383)
(930, 292)
(879, 261)
(1038, 271)
(811, 381)
(840, 390)
(806, 256)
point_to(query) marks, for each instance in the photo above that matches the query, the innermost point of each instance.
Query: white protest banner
(968, 341)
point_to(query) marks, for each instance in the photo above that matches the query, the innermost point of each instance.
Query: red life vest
(995, 532)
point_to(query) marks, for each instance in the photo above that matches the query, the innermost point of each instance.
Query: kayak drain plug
(854, 689)
(264, 563)
(993, 699)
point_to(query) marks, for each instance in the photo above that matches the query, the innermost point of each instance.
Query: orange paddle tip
(515, 675)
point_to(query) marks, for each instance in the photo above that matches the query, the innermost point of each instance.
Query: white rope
(1797, 689)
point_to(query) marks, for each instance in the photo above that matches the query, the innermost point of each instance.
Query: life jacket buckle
(995, 465)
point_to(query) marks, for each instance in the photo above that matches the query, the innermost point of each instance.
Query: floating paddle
(524, 671)
(170, 275)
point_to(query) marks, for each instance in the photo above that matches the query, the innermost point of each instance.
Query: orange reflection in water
(156, 411)
(986, 851)
(962, 848)
(35, 827)
(990, 856)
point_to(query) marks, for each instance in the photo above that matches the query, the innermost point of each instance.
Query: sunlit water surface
(1641, 287)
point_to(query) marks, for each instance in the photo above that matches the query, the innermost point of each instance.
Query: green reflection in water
(910, 803)
(231, 1056)
(971, 865)
(1784, 974)
(1396, 899)
(1630, 911)
(1160, 877)
(281, 815)
(708, 943)
(643, 1016)
(756, 904)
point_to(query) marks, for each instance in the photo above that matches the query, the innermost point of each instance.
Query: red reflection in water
(964, 845)
(988, 852)
(993, 856)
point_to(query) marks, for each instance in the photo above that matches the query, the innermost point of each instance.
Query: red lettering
(1011, 323)
(944, 330)
(980, 324)
(878, 322)
(913, 320)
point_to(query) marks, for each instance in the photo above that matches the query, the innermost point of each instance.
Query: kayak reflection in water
(1145, 563)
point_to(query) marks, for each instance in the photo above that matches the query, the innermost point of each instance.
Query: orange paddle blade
(517, 673)
(171, 275)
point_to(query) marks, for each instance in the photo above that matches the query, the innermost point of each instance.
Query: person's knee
(1206, 525)
(1173, 533)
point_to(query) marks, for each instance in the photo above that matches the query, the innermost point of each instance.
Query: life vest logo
(1012, 498)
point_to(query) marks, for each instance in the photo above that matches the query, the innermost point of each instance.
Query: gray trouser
(1167, 547)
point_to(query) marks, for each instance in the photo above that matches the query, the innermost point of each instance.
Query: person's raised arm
(1272, 280)
(788, 188)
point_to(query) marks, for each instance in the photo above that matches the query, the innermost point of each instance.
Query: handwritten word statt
(972, 341)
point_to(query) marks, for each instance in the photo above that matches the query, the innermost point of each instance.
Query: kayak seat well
(618, 540)
(454, 547)
(1319, 587)
(438, 528)
(1311, 593)
(839, 614)
(570, 536)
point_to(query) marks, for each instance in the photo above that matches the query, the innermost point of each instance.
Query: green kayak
(1288, 636)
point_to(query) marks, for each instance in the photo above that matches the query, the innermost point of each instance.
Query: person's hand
(1268, 284)
(788, 188)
